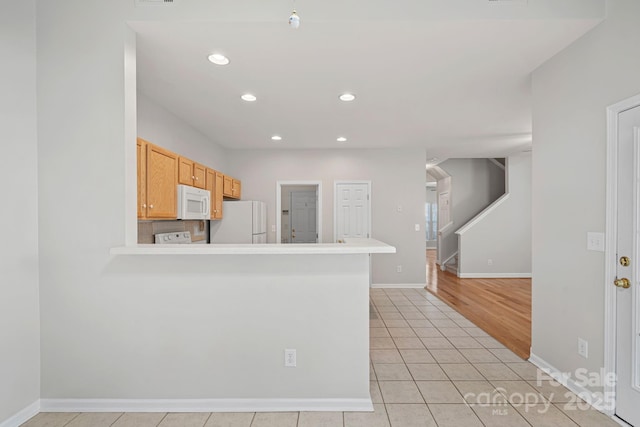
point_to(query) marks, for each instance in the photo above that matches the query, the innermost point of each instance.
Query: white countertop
(351, 246)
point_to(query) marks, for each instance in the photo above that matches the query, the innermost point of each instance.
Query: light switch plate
(417, 227)
(595, 241)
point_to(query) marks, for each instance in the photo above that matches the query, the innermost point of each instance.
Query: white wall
(475, 183)
(158, 125)
(570, 94)
(19, 317)
(397, 179)
(154, 326)
(504, 235)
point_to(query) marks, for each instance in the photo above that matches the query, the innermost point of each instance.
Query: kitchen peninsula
(237, 308)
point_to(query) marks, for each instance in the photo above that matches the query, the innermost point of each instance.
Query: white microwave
(193, 203)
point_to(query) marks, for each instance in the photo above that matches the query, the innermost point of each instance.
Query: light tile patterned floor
(429, 367)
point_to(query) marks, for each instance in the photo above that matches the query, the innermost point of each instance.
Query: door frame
(610, 308)
(279, 185)
(335, 203)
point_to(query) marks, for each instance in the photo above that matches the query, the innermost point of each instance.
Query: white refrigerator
(243, 221)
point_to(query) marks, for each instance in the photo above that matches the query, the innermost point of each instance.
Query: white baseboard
(204, 405)
(570, 383)
(22, 416)
(398, 285)
(494, 275)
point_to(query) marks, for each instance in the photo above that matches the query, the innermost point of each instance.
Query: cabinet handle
(144, 205)
(193, 177)
(196, 178)
(150, 206)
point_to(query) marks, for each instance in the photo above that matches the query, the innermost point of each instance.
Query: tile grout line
(116, 420)
(208, 418)
(165, 416)
(68, 422)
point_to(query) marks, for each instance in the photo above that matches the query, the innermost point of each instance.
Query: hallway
(501, 307)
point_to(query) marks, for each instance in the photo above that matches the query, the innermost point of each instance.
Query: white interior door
(353, 210)
(444, 209)
(303, 217)
(627, 299)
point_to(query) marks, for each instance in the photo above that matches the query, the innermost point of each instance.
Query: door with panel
(303, 217)
(628, 257)
(352, 211)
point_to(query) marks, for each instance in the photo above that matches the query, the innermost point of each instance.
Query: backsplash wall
(199, 229)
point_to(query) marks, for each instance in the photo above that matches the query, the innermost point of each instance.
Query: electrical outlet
(399, 269)
(273, 228)
(290, 358)
(595, 241)
(583, 348)
(399, 208)
(489, 261)
(417, 227)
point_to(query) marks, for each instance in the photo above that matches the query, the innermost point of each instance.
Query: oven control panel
(175, 237)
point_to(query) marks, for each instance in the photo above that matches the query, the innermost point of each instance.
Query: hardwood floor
(501, 307)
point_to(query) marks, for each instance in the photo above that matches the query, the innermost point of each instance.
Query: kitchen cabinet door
(236, 189)
(217, 186)
(185, 171)
(218, 196)
(141, 158)
(199, 178)
(162, 182)
(232, 188)
(214, 183)
(228, 186)
(191, 173)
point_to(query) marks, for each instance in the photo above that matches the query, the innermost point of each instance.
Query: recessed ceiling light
(218, 59)
(347, 97)
(248, 97)
(276, 138)
(341, 139)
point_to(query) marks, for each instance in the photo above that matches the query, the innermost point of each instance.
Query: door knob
(622, 283)
(625, 261)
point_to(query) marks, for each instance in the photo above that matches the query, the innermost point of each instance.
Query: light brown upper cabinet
(185, 171)
(228, 186)
(191, 173)
(232, 187)
(141, 157)
(157, 182)
(215, 184)
(236, 188)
